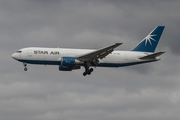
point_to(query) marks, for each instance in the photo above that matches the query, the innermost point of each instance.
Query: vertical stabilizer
(149, 43)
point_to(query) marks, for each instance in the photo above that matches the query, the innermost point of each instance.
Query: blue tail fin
(149, 43)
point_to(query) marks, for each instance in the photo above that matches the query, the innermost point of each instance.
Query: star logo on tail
(149, 38)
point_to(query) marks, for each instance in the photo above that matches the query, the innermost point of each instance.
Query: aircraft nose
(14, 55)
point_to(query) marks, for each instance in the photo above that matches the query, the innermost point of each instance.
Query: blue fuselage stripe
(99, 65)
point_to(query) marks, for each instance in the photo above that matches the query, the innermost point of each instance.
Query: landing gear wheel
(88, 71)
(91, 70)
(25, 69)
(84, 74)
(25, 66)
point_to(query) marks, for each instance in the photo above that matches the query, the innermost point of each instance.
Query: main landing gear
(25, 66)
(87, 70)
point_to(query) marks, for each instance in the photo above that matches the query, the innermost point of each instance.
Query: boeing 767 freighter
(73, 59)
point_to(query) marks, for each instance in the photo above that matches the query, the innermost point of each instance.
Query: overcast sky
(143, 92)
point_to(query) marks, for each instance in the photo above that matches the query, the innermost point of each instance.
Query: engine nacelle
(69, 64)
(70, 61)
(68, 68)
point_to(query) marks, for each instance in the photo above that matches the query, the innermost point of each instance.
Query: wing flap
(105, 53)
(152, 56)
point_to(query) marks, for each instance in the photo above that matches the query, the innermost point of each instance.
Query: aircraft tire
(84, 74)
(25, 69)
(91, 70)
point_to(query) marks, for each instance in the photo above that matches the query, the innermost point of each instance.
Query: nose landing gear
(25, 66)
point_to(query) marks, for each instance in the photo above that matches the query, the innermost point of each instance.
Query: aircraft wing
(98, 54)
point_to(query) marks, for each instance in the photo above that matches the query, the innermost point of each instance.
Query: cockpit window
(19, 51)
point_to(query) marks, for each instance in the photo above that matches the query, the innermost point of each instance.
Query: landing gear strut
(25, 66)
(87, 70)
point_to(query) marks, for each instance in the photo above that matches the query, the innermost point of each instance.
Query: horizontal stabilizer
(152, 56)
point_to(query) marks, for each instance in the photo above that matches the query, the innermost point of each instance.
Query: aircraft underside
(88, 68)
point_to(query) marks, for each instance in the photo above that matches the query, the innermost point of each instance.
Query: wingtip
(119, 43)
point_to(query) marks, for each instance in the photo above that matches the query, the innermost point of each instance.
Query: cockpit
(17, 54)
(19, 51)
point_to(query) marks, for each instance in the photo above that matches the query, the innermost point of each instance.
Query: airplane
(73, 59)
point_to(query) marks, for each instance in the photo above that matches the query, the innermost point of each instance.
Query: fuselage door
(30, 53)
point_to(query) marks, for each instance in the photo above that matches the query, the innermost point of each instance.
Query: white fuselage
(52, 56)
(73, 59)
